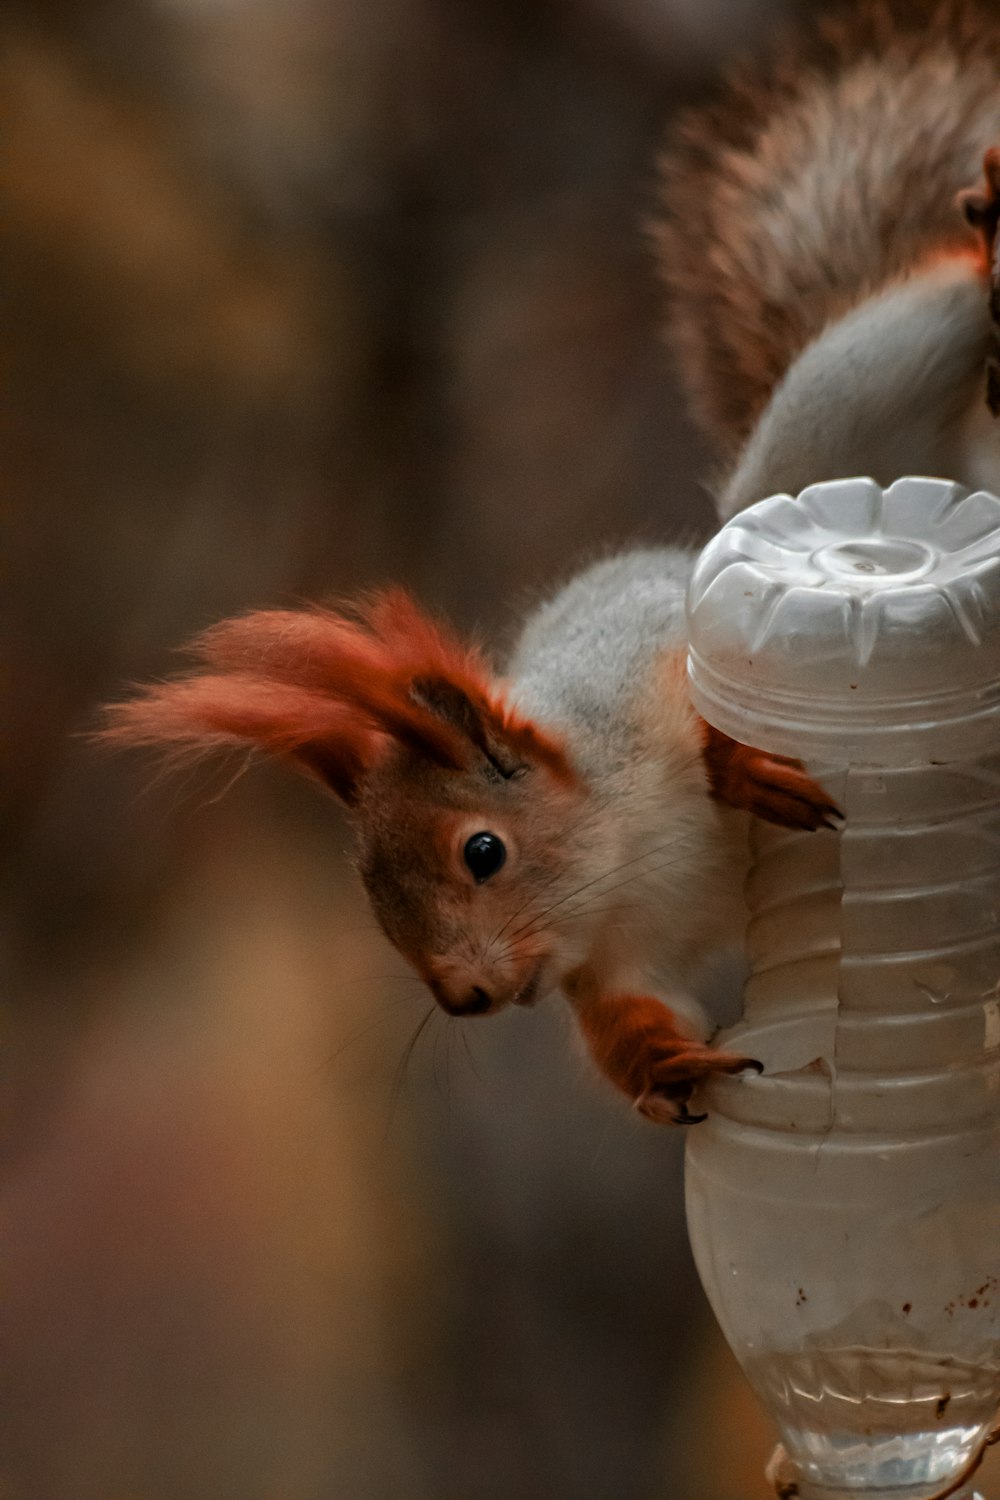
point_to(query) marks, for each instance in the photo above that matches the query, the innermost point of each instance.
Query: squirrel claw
(982, 211)
(663, 1110)
(668, 1107)
(982, 208)
(685, 1117)
(665, 1102)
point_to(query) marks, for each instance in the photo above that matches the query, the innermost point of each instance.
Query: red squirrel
(576, 825)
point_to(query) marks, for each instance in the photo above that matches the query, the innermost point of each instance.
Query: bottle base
(893, 1424)
(924, 1492)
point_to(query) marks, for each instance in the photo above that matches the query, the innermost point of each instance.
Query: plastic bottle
(844, 1208)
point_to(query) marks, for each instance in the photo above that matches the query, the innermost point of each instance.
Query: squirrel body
(576, 825)
(602, 663)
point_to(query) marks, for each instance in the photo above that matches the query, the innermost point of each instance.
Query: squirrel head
(472, 822)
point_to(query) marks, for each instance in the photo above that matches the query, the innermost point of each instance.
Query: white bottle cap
(852, 624)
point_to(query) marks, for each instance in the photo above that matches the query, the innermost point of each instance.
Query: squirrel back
(817, 181)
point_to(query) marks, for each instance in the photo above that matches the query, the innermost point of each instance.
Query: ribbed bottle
(844, 1207)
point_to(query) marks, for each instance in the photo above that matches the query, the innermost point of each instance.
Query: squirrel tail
(814, 180)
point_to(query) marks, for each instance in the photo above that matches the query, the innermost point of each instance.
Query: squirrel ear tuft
(196, 715)
(331, 694)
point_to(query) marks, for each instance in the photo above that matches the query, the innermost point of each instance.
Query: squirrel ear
(453, 685)
(507, 741)
(474, 718)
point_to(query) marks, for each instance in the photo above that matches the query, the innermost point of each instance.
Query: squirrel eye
(484, 853)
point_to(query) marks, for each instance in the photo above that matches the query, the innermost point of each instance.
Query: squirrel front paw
(636, 1042)
(770, 786)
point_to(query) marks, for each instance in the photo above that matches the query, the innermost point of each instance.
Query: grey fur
(584, 658)
(601, 664)
(884, 391)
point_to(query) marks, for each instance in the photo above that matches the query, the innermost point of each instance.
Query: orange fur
(637, 1043)
(333, 693)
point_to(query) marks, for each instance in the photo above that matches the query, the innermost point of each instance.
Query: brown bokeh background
(306, 295)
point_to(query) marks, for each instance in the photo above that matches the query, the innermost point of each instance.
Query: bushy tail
(814, 180)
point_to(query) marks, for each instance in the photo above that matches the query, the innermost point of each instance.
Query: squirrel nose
(474, 1003)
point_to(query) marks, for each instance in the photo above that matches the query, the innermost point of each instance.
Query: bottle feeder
(844, 1207)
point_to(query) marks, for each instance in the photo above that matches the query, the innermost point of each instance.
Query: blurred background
(305, 296)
